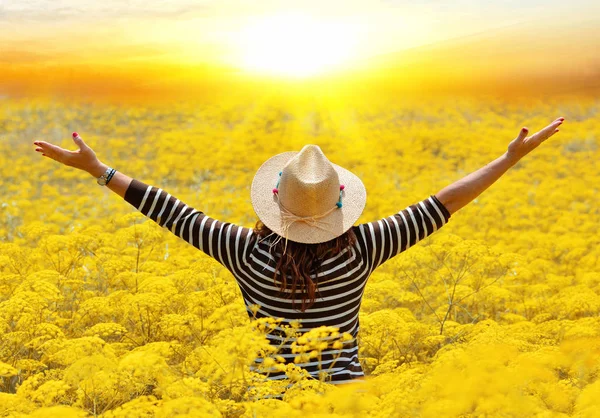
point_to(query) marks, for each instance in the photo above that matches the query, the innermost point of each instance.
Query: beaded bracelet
(110, 175)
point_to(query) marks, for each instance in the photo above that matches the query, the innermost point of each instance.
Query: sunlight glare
(293, 44)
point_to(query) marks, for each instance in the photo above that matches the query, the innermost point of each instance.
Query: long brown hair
(301, 260)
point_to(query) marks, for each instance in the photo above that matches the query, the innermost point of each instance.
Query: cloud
(43, 10)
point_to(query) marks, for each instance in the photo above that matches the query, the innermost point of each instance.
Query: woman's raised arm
(223, 241)
(385, 238)
(84, 159)
(463, 191)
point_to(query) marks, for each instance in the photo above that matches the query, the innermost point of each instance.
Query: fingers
(556, 123)
(552, 128)
(521, 136)
(547, 132)
(79, 141)
(50, 150)
(522, 133)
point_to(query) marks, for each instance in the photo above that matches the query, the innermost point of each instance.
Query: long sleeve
(388, 237)
(223, 241)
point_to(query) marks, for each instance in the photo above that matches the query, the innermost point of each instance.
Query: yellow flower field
(105, 313)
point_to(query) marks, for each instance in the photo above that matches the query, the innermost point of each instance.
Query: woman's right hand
(522, 144)
(84, 158)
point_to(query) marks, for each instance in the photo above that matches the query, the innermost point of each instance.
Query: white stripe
(339, 382)
(354, 362)
(158, 195)
(340, 254)
(267, 278)
(220, 259)
(391, 238)
(201, 233)
(292, 339)
(296, 300)
(235, 250)
(431, 218)
(210, 234)
(372, 230)
(328, 261)
(407, 230)
(330, 370)
(310, 310)
(433, 222)
(363, 234)
(227, 239)
(326, 352)
(398, 234)
(185, 218)
(267, 297)
(438, 210)
(248, 236)
(180, 213)
(417, 232)
(425, 232)
(322, 288)
(237, 258)
(144, 198)
(382, 233)
(351, 373)
(358, 242)
(166, 201)
(312, 276)
(333, 382)
(318, 321)
(191, 231)
(172, 211)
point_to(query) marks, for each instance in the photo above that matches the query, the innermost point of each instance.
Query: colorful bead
(339, 204)
(281, 172)
(275, 191)
(342, 187)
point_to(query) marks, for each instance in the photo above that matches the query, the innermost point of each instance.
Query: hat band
(288, 218)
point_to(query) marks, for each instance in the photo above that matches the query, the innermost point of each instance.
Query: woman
(304, 261)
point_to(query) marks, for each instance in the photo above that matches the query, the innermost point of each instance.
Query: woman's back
(340, 284)
(340, 280)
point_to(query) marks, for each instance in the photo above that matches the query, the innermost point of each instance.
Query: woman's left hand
(84, 158)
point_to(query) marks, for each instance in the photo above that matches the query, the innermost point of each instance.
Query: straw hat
(305, 198)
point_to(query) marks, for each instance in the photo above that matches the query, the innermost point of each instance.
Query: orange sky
(115, 45)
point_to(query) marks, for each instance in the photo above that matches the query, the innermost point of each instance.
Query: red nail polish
(75, 134)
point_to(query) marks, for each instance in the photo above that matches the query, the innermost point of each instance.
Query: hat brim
(337, 222)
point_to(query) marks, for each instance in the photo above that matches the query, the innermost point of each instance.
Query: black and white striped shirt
(341, 279)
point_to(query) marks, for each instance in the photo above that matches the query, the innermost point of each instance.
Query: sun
(294, 44)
